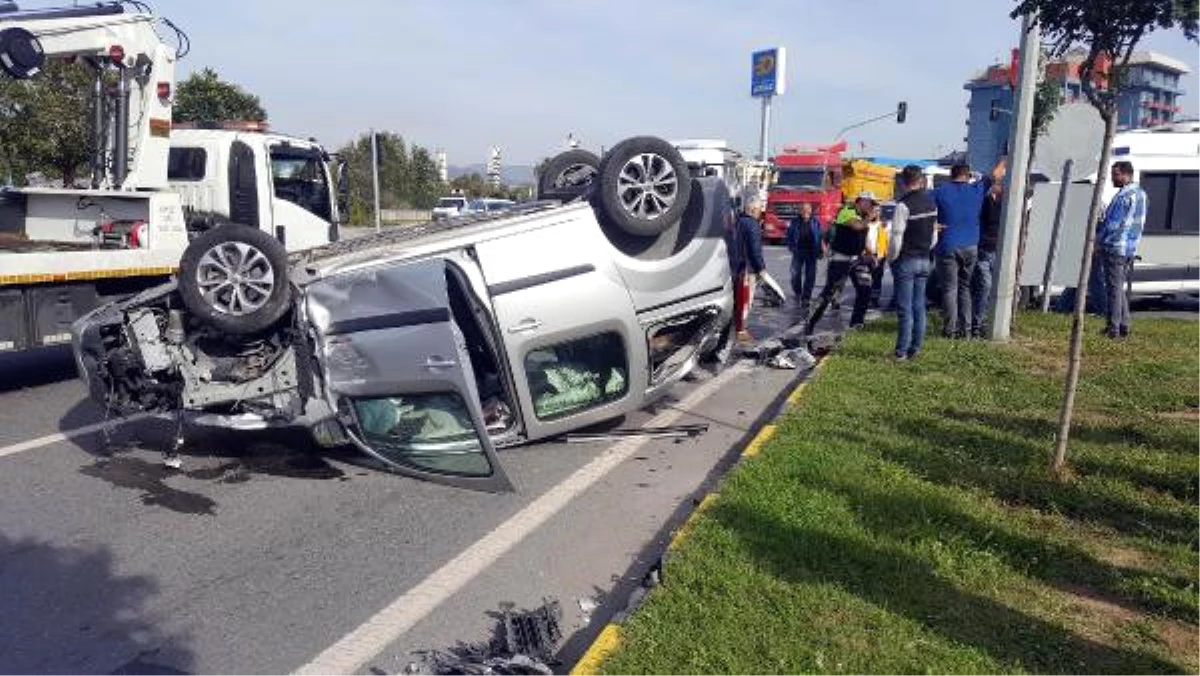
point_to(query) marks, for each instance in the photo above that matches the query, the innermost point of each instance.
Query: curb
(610, 636)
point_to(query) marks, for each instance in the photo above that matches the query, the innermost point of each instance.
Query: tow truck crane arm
(134, 156)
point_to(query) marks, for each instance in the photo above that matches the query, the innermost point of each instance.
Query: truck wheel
(568, 175)
(234, 278)
(644, 186)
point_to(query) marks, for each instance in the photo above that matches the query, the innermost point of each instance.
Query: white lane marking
(353, 650)
(69, 434)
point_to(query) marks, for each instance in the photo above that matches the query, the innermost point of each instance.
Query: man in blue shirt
(1117, 238)
(959, 202)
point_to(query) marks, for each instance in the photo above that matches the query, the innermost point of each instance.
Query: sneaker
(744, 336)
(1123, 331)
(913, 355)
(900, 356)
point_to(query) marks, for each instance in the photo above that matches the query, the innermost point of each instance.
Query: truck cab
(811, 174)
(273, 182)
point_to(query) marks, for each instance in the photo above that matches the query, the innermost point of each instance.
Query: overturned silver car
(428, 347)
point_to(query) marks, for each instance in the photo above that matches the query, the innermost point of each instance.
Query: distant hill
(510, 174)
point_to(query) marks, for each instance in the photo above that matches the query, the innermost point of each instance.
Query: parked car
(487, 205)
(449, 206)
(428, 347)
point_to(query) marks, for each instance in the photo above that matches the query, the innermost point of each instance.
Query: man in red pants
(744, 242)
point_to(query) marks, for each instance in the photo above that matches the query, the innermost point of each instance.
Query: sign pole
(765, 129)
(767, 80)
(375, 177)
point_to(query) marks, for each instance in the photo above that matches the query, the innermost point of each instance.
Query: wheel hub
(235, 278)
(647, 186)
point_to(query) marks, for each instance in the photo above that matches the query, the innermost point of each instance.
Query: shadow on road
(37, 367)
(67, 610)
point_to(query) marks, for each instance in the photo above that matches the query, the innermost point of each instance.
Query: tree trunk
(1074, 352)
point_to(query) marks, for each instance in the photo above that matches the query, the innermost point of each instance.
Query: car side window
(577, 375)
(428, 431)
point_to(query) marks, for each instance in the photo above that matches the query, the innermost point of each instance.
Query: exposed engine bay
(155, 357)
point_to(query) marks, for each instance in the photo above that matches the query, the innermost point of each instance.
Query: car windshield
(801, 178)
(451, 202)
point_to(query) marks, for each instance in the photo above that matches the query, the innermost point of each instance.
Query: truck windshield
(801, 178)
(299, 177)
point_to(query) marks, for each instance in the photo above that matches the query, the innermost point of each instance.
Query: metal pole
(1004, 286)
(375, 177)
(765, 130)
(1058, 217)
(121, 132)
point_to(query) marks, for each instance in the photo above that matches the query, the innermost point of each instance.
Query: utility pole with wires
(375, 178)
(1020, 135)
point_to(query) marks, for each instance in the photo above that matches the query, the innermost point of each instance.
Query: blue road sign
(766, 72)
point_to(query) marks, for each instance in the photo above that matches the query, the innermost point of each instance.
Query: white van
(1166, 163)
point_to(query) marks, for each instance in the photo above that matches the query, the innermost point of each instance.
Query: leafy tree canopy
(1109, 30)
(44, 123)
(205, 97)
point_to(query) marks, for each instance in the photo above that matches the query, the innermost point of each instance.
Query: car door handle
(525, 325)
(440, 363)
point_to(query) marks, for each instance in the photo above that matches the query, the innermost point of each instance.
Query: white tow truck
(65, 251)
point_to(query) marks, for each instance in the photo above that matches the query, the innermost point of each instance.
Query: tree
(408, 176)
(205, 97)
(44, 122)
(1110, 30)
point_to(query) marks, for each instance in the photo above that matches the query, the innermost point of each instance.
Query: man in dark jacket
(985, 264)
(744, 241)
(909, 248)
(847, 246)
(804, 241)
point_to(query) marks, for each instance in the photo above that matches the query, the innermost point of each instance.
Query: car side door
(398, 369)
(572, 338)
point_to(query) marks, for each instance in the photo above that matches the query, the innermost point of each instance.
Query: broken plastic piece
(663, 432)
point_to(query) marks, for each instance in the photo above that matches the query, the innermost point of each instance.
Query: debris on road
(793, 359)
(587, 607)
(666, 431)
(525, 643)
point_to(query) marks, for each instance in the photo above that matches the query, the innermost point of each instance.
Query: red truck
(810, 174)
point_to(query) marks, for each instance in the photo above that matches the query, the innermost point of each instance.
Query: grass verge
(903, 519)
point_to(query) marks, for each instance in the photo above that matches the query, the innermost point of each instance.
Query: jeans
(804, 276)
(955, 269)
(1116, 271)
(981, 290)
(835, 280)
(909, 275)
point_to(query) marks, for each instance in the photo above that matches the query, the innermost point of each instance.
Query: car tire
(234, 278)
(643, 186)
(568, 176)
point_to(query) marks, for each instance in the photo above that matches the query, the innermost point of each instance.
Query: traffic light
(901, 112)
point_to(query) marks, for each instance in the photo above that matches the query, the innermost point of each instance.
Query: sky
(466, 75)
